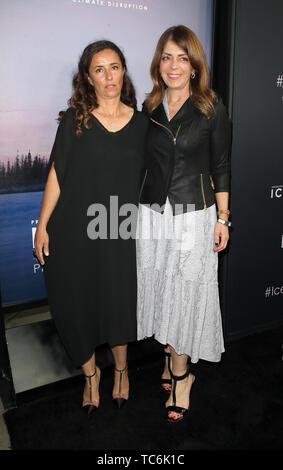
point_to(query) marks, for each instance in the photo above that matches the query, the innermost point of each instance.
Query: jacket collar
(186, 113)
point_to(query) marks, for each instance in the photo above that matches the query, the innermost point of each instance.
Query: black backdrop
(254, 283)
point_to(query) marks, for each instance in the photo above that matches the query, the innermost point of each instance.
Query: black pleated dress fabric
(91, 283)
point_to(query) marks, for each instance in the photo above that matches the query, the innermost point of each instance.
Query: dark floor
(235, 404)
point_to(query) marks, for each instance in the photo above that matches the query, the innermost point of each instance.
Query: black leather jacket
(183, 153)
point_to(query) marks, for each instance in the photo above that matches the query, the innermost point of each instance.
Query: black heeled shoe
(90, 408)
(167, 381)
(120, 401)
(174, 408)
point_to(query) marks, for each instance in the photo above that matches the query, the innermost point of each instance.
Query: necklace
(112, 124)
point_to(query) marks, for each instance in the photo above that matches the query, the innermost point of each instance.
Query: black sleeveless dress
(91, 281)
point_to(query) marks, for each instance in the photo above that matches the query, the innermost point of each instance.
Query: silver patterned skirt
(178, 298)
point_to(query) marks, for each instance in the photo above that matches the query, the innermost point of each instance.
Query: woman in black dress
(89, 264)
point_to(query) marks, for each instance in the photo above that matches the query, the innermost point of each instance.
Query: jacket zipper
(174, 140)
(169, 130)
(202, 190)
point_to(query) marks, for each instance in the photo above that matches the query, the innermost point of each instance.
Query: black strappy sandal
(167, 381)
(120, 401)
(174, 408)
(89, 408)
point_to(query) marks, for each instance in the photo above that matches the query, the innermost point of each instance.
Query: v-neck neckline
(120, 130)
(166, 107)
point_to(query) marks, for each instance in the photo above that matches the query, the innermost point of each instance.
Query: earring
(193, 75)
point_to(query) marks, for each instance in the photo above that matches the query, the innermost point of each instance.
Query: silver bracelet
(224, 222)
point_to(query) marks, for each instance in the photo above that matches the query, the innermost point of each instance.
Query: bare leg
(89, 368)
(120, 358)
(166, 373)
(179, 368)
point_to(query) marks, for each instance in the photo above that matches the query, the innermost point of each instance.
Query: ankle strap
(89, 376)
(122, 370)
(180, 377)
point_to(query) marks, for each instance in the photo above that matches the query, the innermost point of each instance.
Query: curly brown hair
(202, 97)
(84, 99)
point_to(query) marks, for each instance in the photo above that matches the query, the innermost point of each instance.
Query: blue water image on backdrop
(21, 275)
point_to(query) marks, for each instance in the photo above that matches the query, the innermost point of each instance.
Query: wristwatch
(224, 222)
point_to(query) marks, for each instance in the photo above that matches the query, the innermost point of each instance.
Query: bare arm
(221, 232)
(49, 201)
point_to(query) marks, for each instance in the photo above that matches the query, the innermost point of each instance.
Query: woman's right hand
(41, 243)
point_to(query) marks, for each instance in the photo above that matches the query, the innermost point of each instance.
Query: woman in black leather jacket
(179, 235)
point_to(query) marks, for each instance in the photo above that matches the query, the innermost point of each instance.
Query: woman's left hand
(221, 236)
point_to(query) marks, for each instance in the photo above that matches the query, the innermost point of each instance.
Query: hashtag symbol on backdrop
(267, 292)
(280, 81)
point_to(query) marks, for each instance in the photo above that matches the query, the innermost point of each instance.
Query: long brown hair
(84, 99)
(202, 97)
